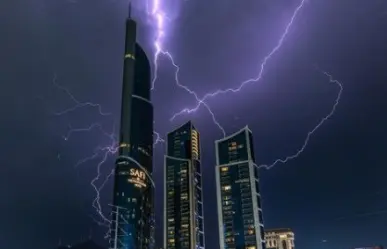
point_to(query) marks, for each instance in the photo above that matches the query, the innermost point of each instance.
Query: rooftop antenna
(130, 9)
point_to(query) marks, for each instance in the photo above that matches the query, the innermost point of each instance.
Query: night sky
(335, 191)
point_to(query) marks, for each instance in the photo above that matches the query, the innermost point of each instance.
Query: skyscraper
(238, 198)
(183, 203)
(133, 221)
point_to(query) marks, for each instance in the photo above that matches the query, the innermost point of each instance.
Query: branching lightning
(78, 104)
(310, 133)
(102, 152)
(158, 14)
(158, 139)
(246, 82)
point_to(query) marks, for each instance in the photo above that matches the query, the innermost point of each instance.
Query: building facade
(238, 196)
(133, 212)
(183, 202)
(282, 238)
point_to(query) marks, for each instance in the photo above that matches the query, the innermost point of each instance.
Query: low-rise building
(281, 238)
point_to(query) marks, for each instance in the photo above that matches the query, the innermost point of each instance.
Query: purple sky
(335, 191)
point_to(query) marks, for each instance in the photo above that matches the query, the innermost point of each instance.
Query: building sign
(138, 178)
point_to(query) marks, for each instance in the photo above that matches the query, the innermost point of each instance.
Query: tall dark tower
(133, 216)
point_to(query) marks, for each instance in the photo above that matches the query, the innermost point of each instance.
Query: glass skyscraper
(237, 185)
(133, 215)
(183, 202)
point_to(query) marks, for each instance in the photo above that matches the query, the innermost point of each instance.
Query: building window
(224, 169)
(284, 245)
(184, 196)
(228, 187)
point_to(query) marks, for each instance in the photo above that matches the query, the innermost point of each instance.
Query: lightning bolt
(266, 59)
(101, 152)
(78, 104)
(160, 17)
(158, 139)
(158, 14)
(310, 133)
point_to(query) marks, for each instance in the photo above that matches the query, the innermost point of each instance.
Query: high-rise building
(280, 238)
(183, 202)
(133, 218)
(238, 197)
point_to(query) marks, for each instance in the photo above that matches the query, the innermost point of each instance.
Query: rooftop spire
(130, 9)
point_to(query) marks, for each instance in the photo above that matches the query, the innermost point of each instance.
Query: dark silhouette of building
(84, 245)
(183, 202)
(133, 216)
(238, 196)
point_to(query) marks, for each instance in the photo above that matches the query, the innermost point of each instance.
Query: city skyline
(61, 69)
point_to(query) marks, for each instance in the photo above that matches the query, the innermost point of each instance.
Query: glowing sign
(138, 178)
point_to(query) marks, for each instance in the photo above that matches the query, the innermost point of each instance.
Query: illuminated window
(224, 169)
(184, 196)
(231, 148)
(228, 187)
(171, 220)
(250, 247)
(229, 239)
(171, 240)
